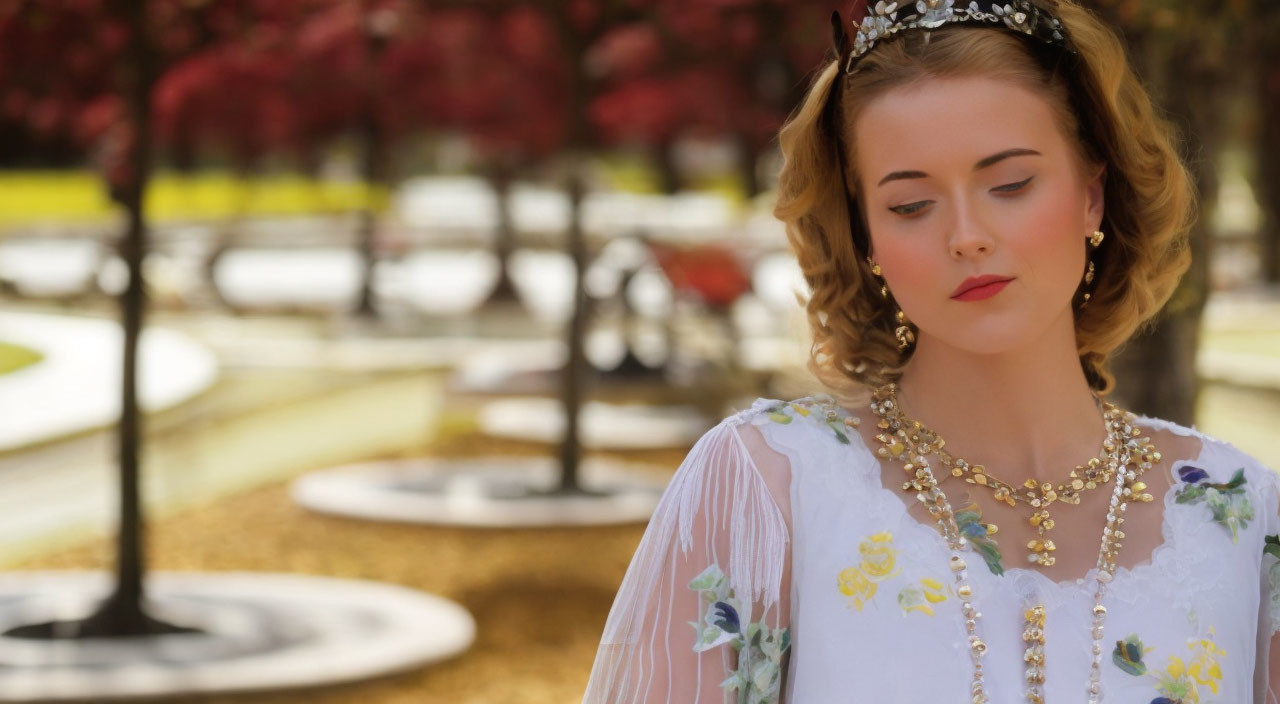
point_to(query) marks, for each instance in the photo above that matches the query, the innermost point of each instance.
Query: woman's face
(965, 177)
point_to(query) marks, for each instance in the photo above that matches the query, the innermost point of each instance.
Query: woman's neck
(1025, 413)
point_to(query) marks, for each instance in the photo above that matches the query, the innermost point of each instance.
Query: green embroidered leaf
(1271, 546)
(990, 553)
(1230, 508)
(1237, 479)
(780, 417)
(1128, 655)
(835, 427)
(711, 579)
(712, 637)
(1190, 494)
(734, 681)
(762, 680)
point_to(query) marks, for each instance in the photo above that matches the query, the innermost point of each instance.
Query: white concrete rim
(472, 497)
(76, 387)
(404, 629)
(614, 426)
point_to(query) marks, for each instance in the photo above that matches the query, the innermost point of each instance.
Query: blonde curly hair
(1103, 109)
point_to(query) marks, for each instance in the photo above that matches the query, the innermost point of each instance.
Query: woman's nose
(969, 237)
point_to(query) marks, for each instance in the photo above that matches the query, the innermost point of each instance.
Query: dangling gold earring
(905, 337)
(904, 334)
(875, 269)
(1095, 239)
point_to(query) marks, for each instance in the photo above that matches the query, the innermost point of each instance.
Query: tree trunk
(664, 156)
(575, 366)
(1268, 151)
(376, 181)
(122, 614)
(504, 235)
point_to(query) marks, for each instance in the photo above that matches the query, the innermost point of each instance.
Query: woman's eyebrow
(982, 164)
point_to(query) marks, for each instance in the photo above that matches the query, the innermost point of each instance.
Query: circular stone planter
(76, 387)
(493, 492)
(603, 425)
(261, 632)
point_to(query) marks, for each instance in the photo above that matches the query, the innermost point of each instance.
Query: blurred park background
(437, 294)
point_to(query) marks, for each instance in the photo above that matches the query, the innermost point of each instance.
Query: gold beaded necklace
(1038, 495)
(903, 433)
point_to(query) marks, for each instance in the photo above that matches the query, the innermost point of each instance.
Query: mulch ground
(539, 597)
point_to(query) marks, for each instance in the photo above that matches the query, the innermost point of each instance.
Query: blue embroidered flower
(1191, 475)
(1229, 502)
(725, 617)
(758, 676)
(969, 521)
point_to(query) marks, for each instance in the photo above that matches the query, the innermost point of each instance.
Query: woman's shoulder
(797, 418)
(1216, 456)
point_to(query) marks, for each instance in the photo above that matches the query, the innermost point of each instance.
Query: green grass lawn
(15, 357)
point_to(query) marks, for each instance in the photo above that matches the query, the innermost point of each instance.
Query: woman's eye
(1013, 186)
(916, 207)
(910, 208)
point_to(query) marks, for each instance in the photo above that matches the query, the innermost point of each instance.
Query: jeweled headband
(886, 19)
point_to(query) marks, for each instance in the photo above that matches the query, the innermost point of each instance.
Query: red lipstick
(976, 288)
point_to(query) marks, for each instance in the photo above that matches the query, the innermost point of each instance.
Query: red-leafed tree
(500, 80)
(83, 73)
(723, 68)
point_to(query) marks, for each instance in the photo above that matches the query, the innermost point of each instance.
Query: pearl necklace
(1122, 434)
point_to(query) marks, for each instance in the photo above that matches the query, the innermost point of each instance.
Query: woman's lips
(980, 292)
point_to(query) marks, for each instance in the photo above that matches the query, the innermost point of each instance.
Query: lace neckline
(1084, 583)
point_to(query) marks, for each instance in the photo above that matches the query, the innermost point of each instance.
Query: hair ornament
(887, 19)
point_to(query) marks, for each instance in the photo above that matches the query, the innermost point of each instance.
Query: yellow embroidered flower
(879, 563)
(933, 590)
(1204, 667)
(1176, 667)
(1175, 684)
(879, 559)
(921, 599)
(800, 409)
(855, 585)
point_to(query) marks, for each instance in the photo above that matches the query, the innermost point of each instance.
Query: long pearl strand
(1121, 431)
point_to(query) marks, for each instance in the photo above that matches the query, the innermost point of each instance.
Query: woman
(985, 207)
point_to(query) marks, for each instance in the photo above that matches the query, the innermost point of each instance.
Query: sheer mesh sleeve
(1267, 668)
(703, 612)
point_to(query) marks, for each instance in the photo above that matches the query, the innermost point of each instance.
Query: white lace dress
(807, 581)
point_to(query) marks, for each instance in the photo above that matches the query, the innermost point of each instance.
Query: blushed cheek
(916, 271)
(1050, 239)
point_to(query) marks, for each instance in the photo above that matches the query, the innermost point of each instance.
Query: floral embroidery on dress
(969, 520)
(922, 598)
(821, 409)
(1271, 549)
(1181, 681)
(758, 676)
(879, 563)
(1228, 501)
